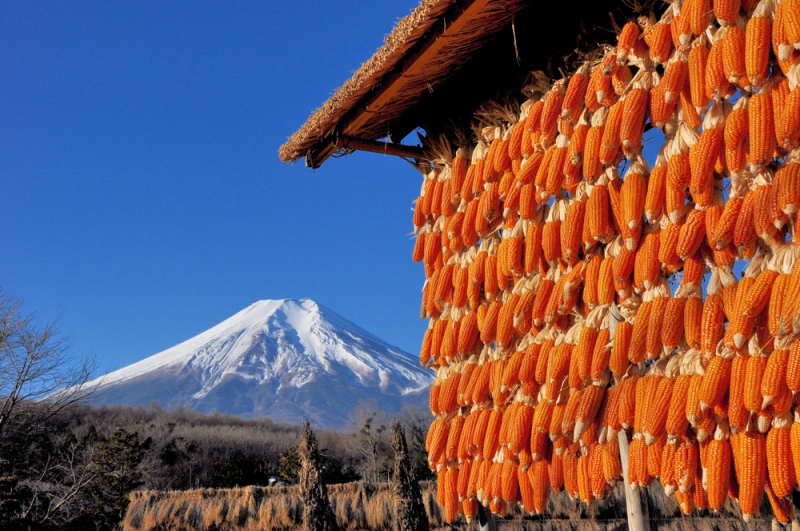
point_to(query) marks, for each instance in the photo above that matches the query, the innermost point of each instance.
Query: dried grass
(360, 507)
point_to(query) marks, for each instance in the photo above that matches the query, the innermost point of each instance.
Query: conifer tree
(317, 513)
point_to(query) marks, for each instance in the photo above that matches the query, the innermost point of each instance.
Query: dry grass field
(361, 507)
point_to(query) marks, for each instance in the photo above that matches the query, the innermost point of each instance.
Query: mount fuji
(282, 359)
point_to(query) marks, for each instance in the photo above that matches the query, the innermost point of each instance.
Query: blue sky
(143, 200)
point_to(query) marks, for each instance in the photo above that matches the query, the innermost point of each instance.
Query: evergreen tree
(289, 465)
(116, 462)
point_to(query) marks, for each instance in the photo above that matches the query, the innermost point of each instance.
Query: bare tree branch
(36, 365)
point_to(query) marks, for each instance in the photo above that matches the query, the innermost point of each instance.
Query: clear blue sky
(143, 200)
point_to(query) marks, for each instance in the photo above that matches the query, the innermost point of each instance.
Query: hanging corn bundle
(552, 226)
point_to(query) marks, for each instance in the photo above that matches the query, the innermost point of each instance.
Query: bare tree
(36, 365)
(371, 438)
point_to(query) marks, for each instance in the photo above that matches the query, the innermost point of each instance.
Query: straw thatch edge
(404, 35)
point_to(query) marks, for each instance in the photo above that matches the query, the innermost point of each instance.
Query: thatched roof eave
(419, 74)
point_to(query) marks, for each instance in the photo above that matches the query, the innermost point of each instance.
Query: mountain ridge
(287, 359)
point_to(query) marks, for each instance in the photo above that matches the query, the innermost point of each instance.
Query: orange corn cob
(751, 455)
(570, 466)
(658, 39)
(789, 199)
(576, 92)
(779, 461)
(793, 368)
(492, 441)
(627, 402)
(600, 354)
(757, 296)
(715, 381)
(637, 349)
(726, 11)
(762, 213)
(679, 173)
(791, 23)
(552, 108)
(699, 14)
(773, 381)
(679, 29)
(618, 363)
(691, 234)
(698, 58)
(733, 56)
(551, 241)
(509, 482)
(718, 461)
(570, 414)
(571, 232)
(757, 50)
(611, 141)
(590, 403)
(654, 326)
(655, 454)
(667, 253)
(674, 78)
(605, 287)
(673, 325)
(591, 284)
(647, 267)
(634, 190)
(597, 213)
(754, 374)
(686, 458)
(725, 229)
(592, 167)
(617, 213)
(584, 480)
(737, 411)
(655, 421)
(539, 478)
(656, 192)
(668, 480)
(544, 357)
(790, 121)
(633, 117)
(677, 423)
(701, 160)
(761, 128)
(525, 490)
(638, 474)
(626, 40)
(584, 352)
(694, 411)
(744, 234)
(533, 247)
(782, 508)
(716, 82)
(693, 321)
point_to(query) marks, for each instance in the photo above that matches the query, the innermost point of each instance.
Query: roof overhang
(441, 63)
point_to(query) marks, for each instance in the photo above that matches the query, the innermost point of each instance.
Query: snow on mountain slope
(285, 359)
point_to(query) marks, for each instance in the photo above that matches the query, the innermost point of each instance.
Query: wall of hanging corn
(531, 233)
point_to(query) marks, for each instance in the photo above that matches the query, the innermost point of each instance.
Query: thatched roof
(430, 47)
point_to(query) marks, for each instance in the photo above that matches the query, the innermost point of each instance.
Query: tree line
(72, 466)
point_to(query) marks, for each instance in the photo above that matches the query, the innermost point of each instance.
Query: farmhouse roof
(410, 78)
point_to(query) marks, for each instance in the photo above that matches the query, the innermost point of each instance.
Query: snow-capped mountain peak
(267, 360)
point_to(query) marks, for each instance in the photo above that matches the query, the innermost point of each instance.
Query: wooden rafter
(450, 25)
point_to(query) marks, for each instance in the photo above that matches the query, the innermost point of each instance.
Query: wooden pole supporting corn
(486, 521)
(633, 501)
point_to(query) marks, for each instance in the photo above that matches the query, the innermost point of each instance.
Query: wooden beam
(373, 146)
(426, 49)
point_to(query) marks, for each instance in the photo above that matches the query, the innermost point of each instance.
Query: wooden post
(633, 500)
(486, 521)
